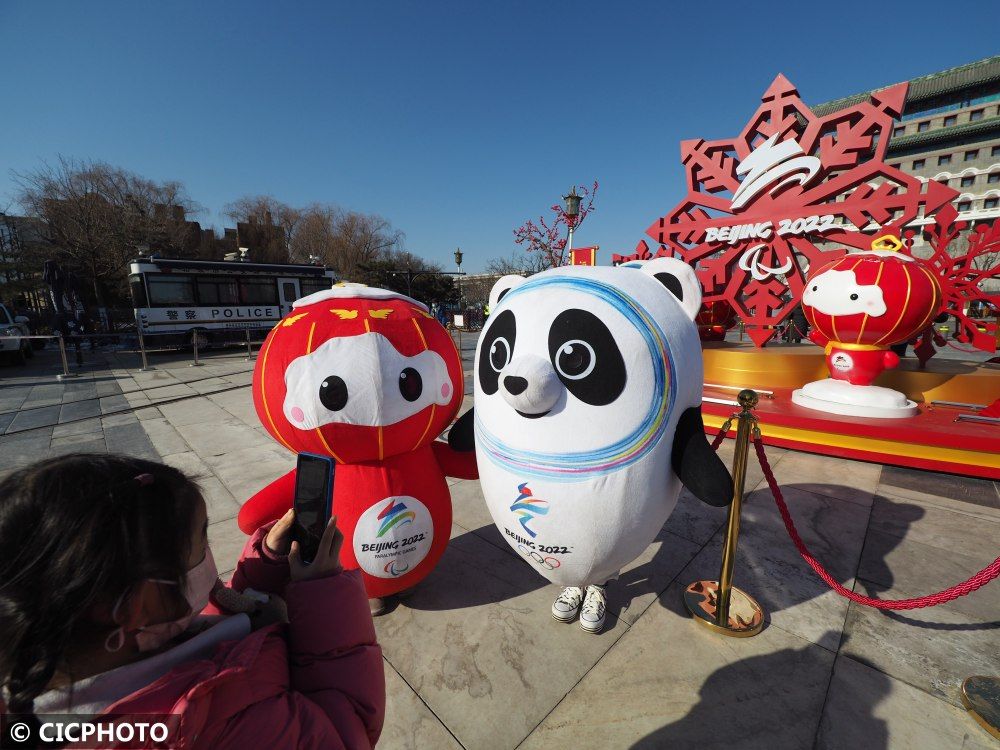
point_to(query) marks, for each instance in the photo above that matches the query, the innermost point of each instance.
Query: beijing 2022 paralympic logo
(393, 536)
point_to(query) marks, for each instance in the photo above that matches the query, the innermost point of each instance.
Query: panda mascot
(367, 377)
(587, 419)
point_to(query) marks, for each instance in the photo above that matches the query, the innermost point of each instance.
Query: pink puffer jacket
(314, 683)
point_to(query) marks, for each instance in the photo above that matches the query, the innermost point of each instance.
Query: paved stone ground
(473, 659)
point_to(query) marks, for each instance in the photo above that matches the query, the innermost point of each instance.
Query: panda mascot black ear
(699, 467)
(503, 285)
(678, 277)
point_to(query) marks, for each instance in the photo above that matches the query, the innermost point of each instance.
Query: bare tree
(265, 225)
(314, 234)
(520, 263)
(359, 239)
(95, 215)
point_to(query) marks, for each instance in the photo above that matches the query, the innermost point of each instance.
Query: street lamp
(458, 258)
(571, 213)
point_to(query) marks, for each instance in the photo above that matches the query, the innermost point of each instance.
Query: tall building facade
(949, 132)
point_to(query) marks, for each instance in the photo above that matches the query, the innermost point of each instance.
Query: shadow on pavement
(473, 573)
(769, 567)
(771, 702)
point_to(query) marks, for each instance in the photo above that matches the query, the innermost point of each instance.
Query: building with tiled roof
(950, 132)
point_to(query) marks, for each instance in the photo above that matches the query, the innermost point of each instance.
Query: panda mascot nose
(530, 385)
(515, 385)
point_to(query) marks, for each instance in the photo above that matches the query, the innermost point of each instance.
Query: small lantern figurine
(858, 307)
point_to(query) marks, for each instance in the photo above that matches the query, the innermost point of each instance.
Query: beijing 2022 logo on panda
(393, 536)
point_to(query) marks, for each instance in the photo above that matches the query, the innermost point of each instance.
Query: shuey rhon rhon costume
(369, 378)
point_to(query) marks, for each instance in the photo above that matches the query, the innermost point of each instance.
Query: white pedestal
(841, 397)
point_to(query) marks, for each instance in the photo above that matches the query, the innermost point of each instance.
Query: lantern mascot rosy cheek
(369, 378)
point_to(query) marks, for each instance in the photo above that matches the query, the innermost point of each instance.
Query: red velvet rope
(977, 581)
(721, 436)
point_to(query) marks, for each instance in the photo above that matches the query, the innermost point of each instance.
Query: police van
(215, 301)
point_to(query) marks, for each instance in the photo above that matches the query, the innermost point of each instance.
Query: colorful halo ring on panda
(577, 466)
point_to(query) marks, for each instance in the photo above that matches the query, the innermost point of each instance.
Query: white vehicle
(211, 299)
(15, 349)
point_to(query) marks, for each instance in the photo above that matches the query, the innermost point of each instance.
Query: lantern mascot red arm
(369, 378)
(457, 461)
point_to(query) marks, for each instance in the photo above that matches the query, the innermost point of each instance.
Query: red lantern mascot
(858, 307)
(368, 377)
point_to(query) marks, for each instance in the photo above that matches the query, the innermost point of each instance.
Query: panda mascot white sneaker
(587, 419)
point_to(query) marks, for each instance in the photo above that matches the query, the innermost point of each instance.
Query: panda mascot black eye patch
(496, 351)
(586, 357)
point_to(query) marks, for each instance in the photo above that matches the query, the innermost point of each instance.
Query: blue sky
(455, 120)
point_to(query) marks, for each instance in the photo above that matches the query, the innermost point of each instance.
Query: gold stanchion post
(718, 605)
(981, 698)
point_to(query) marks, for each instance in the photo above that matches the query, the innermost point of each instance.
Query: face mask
(198, 585)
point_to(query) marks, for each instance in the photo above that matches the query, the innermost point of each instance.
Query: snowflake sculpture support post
(757, 204)
(961, 275)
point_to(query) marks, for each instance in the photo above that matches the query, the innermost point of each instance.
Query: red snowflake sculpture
(757, 204)
(961, 276)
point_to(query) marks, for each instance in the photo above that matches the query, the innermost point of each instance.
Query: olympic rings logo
(549, 563)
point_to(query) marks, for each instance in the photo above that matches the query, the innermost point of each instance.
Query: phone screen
(313, 492)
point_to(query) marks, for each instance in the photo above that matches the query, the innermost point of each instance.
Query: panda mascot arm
(698, 466)
(694, 462)
(457, 457)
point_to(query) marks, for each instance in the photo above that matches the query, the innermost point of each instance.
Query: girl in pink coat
(106, 578)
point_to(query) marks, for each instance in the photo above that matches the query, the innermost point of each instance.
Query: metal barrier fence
(247, 346)
(137, 342)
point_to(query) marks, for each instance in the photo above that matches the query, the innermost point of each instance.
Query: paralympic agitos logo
(392, 536)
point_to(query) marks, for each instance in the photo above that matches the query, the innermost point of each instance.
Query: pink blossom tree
(549, 238)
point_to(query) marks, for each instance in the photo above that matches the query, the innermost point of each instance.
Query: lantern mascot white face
(587, 413)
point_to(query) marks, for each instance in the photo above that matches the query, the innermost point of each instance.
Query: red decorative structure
(758, 203)
(960, 277)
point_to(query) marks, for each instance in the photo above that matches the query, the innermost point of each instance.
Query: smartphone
(312, 502)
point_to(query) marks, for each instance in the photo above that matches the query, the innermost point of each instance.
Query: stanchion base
(746, 617)
(195, 364)
(66, 376)
(981, 697)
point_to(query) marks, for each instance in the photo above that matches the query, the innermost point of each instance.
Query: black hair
(78, 532)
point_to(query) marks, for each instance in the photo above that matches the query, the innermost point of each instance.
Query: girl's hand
(279, 538)
(327, 561)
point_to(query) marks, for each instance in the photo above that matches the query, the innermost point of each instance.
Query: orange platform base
(931, 440)
(792, 366)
